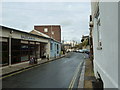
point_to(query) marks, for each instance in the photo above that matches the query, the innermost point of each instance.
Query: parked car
(80, 51)
(84, 51)
(87, 51)
(77, 50)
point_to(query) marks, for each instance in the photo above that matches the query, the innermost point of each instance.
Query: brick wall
(56, 29)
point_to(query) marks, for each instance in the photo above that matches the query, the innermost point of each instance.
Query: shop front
(24, 50)
(21, 46)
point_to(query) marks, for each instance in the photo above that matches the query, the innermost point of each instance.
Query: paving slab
(89, 75)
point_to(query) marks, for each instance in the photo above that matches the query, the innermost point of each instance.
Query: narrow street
(55, 74)
(59, 44)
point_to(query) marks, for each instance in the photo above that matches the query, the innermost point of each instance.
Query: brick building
(54, 31)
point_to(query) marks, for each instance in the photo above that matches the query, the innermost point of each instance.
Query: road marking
(16, 73)
(74, 77)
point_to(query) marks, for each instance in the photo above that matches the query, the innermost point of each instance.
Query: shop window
(43, 50)
(15, 51)
(4, 52)
(32, 49)
(24, 51)
(37, 46)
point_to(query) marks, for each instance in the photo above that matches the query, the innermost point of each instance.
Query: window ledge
(99, 48)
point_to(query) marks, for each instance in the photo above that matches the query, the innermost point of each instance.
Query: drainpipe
(10, 36)
(51, 32)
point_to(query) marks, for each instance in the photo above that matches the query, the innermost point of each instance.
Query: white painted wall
(17, 35)
(106, 60)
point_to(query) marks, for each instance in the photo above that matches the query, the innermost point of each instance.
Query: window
(52, 33)
(15, 51)
(4, 52)
(51, 45)
(37, 46)
(55, 46)
(99, 33)
(45, 29)
(57, 49)
(24, 51)
(98, 23)
(32, 49)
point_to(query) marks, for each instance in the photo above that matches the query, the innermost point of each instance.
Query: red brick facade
(54, 31)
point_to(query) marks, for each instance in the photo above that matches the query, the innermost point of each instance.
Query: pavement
(89, 75)
(62, 73)
(6, 70)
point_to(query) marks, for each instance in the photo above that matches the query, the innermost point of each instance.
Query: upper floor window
(98, 26)
(45, 29)
(52, 33)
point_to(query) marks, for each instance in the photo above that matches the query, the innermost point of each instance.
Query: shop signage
(27, 37)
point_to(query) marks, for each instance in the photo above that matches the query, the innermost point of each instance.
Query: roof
(85, 36)
(67, 44)
(42, 34)
(46, 25)
(39, 33)
(4, 27)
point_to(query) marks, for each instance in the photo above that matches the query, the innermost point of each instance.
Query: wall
(119, 43)
(51, 28)
(53, 51)
(106, 60)
(20, 35)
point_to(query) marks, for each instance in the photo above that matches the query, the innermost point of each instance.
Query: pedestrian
(31, 60)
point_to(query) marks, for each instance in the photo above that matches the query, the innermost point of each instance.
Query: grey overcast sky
(72, 16)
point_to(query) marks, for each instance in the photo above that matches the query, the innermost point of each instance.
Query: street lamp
(91, 24)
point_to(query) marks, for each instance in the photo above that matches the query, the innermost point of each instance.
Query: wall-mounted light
(91, 24)
(11, 31)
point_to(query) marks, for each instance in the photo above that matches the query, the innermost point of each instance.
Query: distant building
(72, 43)
(85, 42)
(67, 47)
(84, 38)
(53, 31)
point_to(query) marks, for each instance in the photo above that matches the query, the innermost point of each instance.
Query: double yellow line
(74, 77)
(20, 71)
(71, 83)
(16, 73)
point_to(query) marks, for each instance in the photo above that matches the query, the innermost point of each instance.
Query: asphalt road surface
(62, 73)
